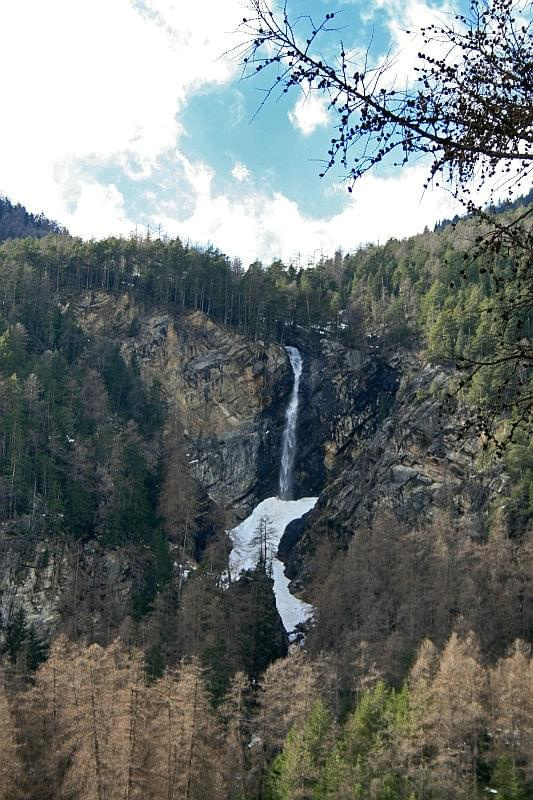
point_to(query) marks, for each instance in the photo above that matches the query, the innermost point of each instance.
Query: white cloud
(240, 172)
(99, 81)
(100, 211)
(406, 17)
(268, 226)
(100, 85)
(310, 112)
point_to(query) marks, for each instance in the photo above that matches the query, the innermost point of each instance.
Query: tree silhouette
(469, 115)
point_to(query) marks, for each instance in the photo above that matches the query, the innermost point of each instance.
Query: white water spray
(289, 441)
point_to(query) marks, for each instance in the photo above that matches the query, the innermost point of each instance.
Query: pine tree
(506, 781)
(304, 755)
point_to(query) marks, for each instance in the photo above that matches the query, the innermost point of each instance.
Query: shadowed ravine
(278, 513)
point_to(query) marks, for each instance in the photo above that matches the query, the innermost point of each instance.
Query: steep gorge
(370, 441)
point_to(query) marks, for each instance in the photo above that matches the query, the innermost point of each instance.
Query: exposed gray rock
(411, 465)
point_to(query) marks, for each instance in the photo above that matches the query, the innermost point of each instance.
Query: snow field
(245, 554)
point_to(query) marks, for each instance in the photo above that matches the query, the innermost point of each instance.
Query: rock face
(411, 465)
(230, 395)
(369, 439)
(227, 392)
(343, 395)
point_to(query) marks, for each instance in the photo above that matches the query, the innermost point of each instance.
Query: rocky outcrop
(370, 440)
(414, 464)
(230, 395)
(228, 392)
(343, 396)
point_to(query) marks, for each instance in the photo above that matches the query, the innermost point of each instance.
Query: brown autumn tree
(10, 766)
(44, 747)
(80, 723)
(288, 688)
(456, 716)
(511, 694)
(178, 504)
(183, 763)
(235, 717)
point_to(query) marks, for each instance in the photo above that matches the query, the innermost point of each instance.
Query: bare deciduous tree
(468, 112)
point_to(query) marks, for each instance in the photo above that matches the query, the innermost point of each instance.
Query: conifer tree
(511, 692)
(457, 714)
(506, 781)
(298, 768)
(235, 714)
(183, 762)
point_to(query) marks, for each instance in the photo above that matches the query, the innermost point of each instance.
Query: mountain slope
(17, 223)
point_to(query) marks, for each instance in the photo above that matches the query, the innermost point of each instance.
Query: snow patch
(244, 555)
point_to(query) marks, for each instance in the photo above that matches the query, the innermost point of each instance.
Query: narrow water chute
(289, 441)
(279, 512)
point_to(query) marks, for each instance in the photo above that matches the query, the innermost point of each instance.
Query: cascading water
(278, 512)
(289, 439)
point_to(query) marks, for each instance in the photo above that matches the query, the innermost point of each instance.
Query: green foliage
(261, 634)
(154, 663)
(355, 765)
(21, 640)
(131, 517)
(295, 772)
(506, 780)
(519, 462)
(156, 573)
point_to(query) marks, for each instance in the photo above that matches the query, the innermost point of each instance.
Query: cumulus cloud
(97, 81)
(309, 113)
(92, 109)
(267, 226)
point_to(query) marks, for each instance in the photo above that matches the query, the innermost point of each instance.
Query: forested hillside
(134, 665)
(16, 222)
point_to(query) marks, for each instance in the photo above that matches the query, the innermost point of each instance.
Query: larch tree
(183, 759)
(44, 742)
(10, 765)
(81, 722)
(511, 691)
(178, 503)
(456, 716)
(234, 713)
(287, 691)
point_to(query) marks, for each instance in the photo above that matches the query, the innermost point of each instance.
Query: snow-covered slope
(245, 553)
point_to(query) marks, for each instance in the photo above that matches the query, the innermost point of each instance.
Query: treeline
(414, 292)
(17, 223)
(455, 728)
(91, 727)
(58, 388)
(261, 302)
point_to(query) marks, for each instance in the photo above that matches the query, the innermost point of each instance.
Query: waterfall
(289, 441)
(279, 512)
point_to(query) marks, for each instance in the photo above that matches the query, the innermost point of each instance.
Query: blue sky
(118, 114)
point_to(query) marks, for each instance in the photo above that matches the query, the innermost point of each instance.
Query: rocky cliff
(230, 395)
(369, 438)
(410, 461)
(227, 392)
